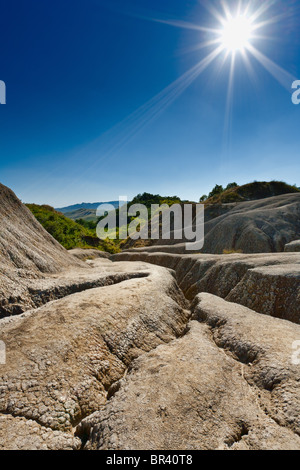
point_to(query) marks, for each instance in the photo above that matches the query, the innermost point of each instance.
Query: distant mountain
(85, 205)
(84, 214)
(85, 210)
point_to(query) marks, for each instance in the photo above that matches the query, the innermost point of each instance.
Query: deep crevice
(243, 430)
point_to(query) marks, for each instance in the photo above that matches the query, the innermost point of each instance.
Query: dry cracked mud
(134, 365)
(64, 357)
(146, 350)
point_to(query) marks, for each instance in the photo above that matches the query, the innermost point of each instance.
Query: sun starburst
(236, 33)
(238, 30)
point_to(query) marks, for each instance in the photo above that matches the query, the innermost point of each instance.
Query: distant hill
(85, 205)
(85, 210)
(250, 192)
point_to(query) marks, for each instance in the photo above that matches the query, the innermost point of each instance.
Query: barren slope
(27, 252)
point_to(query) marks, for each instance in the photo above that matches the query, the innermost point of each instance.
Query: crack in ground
(247, 361)
(244, 358)
(82, 430)
(40, 297)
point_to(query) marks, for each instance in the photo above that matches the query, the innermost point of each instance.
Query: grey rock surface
(27, 252)
(292, 246)
(261, 226)
(63, 358)
(143, 352)
(228, 383)
(267, 283)
(89, 253)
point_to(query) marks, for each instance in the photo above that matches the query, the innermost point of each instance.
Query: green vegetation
(85, 214)
(88, 224)
(82, 232)
(247, 192)
(218, 189)
(148, 199)
(69, 233)
(145, 199)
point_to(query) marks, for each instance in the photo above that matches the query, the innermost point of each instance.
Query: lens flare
(236, 31)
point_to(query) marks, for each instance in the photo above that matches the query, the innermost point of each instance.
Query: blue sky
(76, 70)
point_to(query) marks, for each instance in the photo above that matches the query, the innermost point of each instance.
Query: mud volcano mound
(27, 251)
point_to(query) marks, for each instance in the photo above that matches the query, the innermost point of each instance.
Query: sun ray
(249, 67)
(120, 135)
(131, 126)
(270, 21)
(247, 9)
(229, 105)
(184, 25)
(214, 12)
(227, 12)
(226, 44)
(199, 46)
(261, 10)
(282, 76)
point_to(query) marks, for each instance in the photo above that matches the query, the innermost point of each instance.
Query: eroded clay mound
(27, 251)
(266, 283)
(65, 359)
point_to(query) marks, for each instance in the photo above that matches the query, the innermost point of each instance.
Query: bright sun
(236, 34)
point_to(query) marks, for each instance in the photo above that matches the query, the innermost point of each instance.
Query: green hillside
(83, 214)
(68, 233)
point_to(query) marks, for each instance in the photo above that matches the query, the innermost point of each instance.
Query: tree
(203, 198)
(218, 189)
